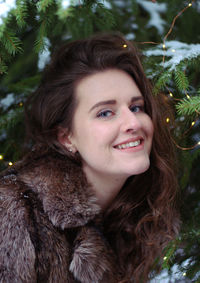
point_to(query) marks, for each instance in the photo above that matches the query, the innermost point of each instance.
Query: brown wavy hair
(142, 219)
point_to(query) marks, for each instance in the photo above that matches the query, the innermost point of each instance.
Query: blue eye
(105, 114)
(137, 108)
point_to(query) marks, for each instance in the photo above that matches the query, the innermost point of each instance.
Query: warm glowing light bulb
(21, 104)
(163, 46)
(188, 96)
(173, 50)
(1, 156)
(198, 143)
(193, 123)
(125, 45)
(184, 274)
(10, 163)
(165, 258)
(171, 94)
(190, 4)
(167, 120)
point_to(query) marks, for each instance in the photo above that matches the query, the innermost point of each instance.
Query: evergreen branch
(3, 67)
(88, 26)
(64, 13)
(187, 158)
(184, 52)
(46, 21)
(181, 80)
(162, 81)
(42, 5)
(11, 43)
(40, 43)
(10, 119)
(106, 15)
(189, 106)
(2, 29)
(193, 62)
(25, 85)
(6, 22)
(21, 12)
(169, 253)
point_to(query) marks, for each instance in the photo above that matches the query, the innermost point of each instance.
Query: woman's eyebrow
(112, 102)
(105, 102)
(136, 98)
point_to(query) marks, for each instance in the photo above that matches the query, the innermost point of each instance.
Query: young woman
(94, 199)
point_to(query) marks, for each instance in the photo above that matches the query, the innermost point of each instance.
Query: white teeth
(127, 145)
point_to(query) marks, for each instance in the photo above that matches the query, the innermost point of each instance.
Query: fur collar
(61, 186)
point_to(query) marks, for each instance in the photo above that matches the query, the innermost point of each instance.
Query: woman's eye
(137, 108)
(105, 113)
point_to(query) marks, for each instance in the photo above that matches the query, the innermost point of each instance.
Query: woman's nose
(130, 121)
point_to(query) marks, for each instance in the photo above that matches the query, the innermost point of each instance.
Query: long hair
(142, 218)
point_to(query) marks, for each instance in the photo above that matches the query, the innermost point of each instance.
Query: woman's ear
(65, 138)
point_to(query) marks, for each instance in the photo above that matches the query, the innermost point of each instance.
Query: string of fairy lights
(170, 93)
(163, 59)
(10, 163)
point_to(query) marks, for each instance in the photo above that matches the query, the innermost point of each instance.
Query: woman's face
(111, 130)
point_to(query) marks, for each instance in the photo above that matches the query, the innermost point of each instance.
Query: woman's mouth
(128, 144)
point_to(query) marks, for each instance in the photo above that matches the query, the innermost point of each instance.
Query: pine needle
(189, 106)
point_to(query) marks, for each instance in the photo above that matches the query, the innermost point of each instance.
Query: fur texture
(47, 219)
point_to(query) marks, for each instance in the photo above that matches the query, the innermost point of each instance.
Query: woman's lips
(130, 143)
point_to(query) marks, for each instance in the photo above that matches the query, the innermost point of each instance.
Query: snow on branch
(154, 9)
(5, 7)
(174, 53)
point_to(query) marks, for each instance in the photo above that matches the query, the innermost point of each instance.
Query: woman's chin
(140, 168)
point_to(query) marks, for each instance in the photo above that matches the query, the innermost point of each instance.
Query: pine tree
(168, 36)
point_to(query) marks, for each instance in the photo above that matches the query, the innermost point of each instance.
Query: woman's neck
(106, 188)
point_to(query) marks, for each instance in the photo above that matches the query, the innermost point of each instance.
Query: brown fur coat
(49, 225)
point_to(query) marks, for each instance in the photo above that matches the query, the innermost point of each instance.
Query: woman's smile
(131, 143)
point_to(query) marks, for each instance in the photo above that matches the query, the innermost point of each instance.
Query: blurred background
(168, 35)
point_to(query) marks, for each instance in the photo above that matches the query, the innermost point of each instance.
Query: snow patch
(65, 4)
(5, 7)
(44, 56)
(130, 36)
(106, 4)
(7, 101)
(174, 53)
(154, 10)
(175, 275)
(197, 6)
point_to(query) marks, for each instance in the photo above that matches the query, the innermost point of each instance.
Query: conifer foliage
(167, 33)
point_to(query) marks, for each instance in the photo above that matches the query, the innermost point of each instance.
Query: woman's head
(110, 129)
(53, 105)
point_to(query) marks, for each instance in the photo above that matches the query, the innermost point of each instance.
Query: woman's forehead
(111, 84)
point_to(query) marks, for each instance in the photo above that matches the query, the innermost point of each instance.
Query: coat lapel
(61, 185)
(93, 261)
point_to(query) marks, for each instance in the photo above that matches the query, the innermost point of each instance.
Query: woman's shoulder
(52, 180)
(15, 241)
(10, 190)
(37, 166)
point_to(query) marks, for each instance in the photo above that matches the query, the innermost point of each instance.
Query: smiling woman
(94, 199)
(126, 131)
